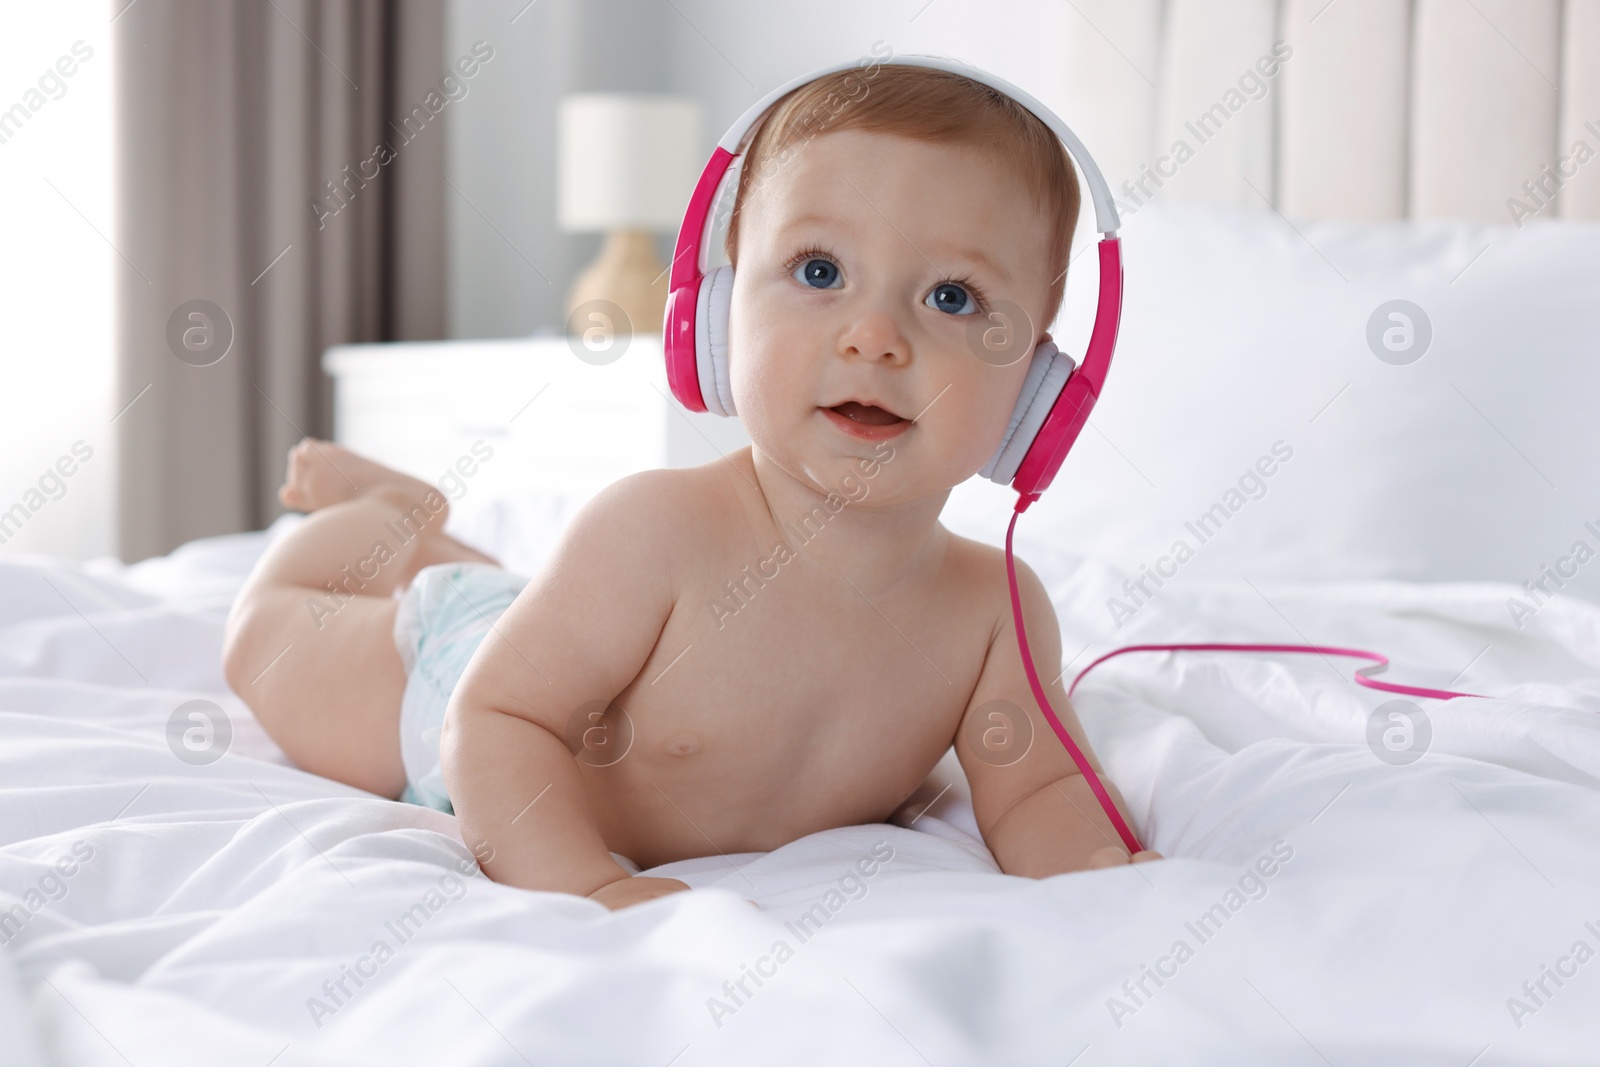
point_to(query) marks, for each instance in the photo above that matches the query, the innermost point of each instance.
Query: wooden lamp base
(629, 274)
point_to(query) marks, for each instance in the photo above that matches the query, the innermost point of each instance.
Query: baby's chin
(869, 474)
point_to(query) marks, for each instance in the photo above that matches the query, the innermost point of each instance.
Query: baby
(726, 658)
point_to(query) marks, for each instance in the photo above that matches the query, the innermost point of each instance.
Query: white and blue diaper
(442, 618)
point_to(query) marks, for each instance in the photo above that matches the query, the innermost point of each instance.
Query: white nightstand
(553, 421)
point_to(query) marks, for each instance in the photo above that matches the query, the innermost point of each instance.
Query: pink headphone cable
(1130, 841)
(1328, 650)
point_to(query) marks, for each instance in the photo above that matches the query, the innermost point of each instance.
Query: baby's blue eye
(952, 298)
(817, 273)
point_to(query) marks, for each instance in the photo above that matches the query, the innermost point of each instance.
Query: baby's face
(841, 294)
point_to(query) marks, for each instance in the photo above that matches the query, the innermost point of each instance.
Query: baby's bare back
(776, 696)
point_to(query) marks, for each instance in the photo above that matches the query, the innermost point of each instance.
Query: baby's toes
(296, 490)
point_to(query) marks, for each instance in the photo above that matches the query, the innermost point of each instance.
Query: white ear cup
(711, 340)
(1046, 377)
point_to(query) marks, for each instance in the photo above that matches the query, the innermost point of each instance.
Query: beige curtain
(279, 179)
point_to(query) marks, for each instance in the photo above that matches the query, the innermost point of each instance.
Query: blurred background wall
(724, 53)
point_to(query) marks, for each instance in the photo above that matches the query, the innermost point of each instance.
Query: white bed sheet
(1415, 900)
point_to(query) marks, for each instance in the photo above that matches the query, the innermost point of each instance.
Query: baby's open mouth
(869, 414)
(867, 421)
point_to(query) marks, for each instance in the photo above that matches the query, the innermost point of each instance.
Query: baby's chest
(809, 674)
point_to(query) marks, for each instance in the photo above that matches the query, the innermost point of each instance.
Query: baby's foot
(321, 473)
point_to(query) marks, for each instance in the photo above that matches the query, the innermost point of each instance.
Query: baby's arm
(580, 631)
(1037, 815)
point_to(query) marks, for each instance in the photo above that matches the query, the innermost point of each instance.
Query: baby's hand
(1116, 856)
(638, 889)
(635, 890)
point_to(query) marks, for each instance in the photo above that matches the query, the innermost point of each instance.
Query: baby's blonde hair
(926, 105)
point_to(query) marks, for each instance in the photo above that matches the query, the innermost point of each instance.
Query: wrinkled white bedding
(1361, 912)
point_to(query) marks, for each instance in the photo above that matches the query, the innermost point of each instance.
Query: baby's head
(881, 214)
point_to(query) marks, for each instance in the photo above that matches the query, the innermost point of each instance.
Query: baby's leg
(309, 644)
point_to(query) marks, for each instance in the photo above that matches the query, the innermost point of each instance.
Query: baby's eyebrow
(972, 255)
(981, 258)
(809, 220)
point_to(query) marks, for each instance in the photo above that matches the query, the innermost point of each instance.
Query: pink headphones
(1056, 398)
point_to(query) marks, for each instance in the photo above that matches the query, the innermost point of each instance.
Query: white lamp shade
(627, 160)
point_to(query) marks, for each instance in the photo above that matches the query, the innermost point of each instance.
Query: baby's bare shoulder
(670, 506)
(979, 570)
(660, 488)
(989, 560)
(975, 574)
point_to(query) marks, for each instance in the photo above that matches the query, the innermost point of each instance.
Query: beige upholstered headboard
(1375, 109)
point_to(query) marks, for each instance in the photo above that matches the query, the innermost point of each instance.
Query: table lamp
(627, 163)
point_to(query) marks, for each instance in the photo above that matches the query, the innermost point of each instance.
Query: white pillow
(1478, 460)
